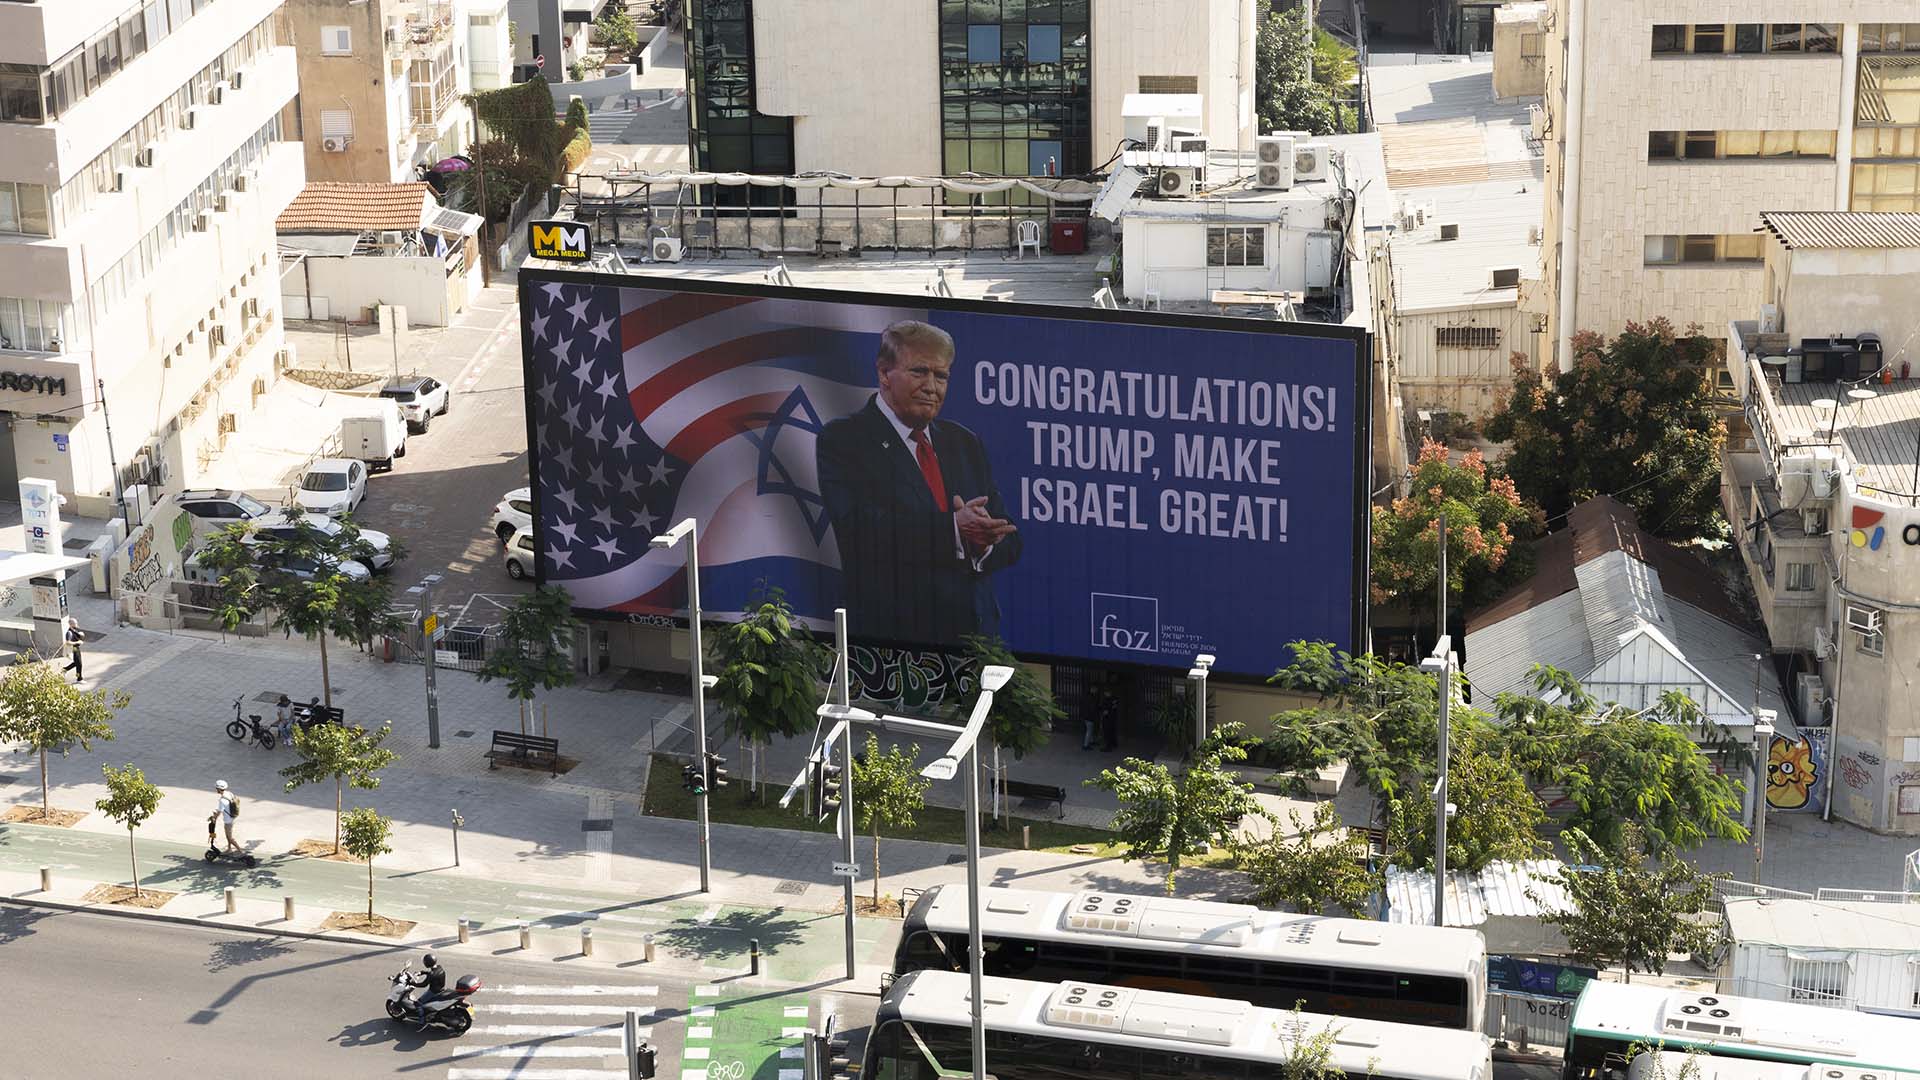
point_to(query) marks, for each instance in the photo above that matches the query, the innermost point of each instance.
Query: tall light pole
(1762, 746)
(1198, 673)
(689, 531)
(946, 767)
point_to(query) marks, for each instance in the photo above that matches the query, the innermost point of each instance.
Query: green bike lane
(694, 932)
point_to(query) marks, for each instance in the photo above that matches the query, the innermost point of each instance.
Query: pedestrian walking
(70, 632)
(226, 811)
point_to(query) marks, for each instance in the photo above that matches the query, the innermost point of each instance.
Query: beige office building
(145, 150)
(1668, 129)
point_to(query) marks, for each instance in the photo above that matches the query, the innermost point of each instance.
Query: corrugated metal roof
(1500, 657)
(1824, 924)
(1617, 594)
(1498, 889)
(1842, 229)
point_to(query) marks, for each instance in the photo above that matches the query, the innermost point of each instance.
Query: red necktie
(930, 468)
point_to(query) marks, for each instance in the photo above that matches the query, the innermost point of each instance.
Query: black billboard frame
(532, 277)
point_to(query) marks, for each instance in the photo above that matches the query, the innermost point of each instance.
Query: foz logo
(1128, 623)
(561, 241)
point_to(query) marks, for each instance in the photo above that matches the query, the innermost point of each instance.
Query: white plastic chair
(1029, 238)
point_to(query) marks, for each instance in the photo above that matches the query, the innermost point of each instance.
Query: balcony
(422, 32)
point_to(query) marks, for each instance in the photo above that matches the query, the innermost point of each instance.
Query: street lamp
(945, 767)
(1198, 673)
(689, 531)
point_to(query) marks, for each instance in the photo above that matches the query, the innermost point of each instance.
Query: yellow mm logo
(565, 242)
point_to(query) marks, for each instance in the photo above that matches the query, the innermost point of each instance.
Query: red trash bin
(1069, 238)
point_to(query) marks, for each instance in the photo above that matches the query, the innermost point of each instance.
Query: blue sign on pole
(60, 443)
(1084, 484)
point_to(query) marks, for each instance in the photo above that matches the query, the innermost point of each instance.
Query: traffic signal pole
(843, 694)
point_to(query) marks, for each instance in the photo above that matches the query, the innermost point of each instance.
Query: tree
(1378, 716)
(366, 836)
(40, 708)
(1486, 520)
(1335, 67)
(1309, 1054)
(343, 754)
(615, 30)
(768, 668)
(130, 801)
(1171, 815)
(887, 790)
(1633, 418)
(1319, 863)
(1286, 96)
(1630, 910)
(536, 634)
(305, 579)
(1647, 772)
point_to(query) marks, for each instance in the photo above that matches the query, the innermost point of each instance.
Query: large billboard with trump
(1085, 484)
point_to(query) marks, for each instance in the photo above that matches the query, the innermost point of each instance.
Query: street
(119, 997)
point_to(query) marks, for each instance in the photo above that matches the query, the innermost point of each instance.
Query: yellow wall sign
(561, 241)
(429, 625)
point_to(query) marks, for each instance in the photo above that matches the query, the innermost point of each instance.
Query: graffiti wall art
(1795, 773)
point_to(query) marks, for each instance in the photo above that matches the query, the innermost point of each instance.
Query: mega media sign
(1085, 484)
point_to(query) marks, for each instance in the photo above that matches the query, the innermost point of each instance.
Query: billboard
(1086, 484)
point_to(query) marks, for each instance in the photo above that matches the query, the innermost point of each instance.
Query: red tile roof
(327, 206)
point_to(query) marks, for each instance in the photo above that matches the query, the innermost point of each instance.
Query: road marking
(549, 1031)
(708, 915)
(576, 991)
(791, 1074)
(696, 1053)
(706, 991)
(703, 1010)
(693, 1074)
(790, 1051)
(535, 1050)
(793, 1033)
(796, 1012)
(610, 1008)
(699, 1033)
(518, 1072)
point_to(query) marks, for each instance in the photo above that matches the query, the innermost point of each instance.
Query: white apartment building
(145, 150)
(1669, 126)
(944, 87)
(383, 84)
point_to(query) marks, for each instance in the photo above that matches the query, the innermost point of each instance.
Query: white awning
(21, 565)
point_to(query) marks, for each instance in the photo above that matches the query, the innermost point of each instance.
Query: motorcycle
(250, 728)
(453, 1012)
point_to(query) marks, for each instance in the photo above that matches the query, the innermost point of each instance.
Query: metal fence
(462, 647)
(1527, 1023)
(1869, 896)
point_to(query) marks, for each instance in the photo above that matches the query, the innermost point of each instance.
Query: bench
(305, 716)
(518, 749)
(1046, 793)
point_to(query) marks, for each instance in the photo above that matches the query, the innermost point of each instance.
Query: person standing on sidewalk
(70, 632)
(226, 812)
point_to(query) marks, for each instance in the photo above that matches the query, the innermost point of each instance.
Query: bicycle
(250, 728)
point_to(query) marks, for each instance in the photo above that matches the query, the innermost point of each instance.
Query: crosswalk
(557, 1032)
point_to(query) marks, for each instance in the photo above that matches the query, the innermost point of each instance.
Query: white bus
(1086, 1031)
(1668, 1065)
(1348, 967)
(1613, 1023)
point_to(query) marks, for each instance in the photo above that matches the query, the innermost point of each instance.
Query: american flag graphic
(652, 406)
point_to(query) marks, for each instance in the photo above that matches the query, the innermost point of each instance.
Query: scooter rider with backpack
(226, 811)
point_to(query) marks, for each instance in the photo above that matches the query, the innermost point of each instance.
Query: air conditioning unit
(1813, 520)
(1505, 277)
(1273, 162)
(1769, 318)
(191, 117)
(668, 249)
(123, 180)
(233, 81)
(143, 157)
(250, 308)
(1156, 133)
(202, 220)
(218, 94)
(1823, 646)
(1174, 182)
(1533, 235)
(1863, 620)
(223, 203)
(335, 144)
(242, 182)
(1536, 121)
(1312, 162)
(1193, 144)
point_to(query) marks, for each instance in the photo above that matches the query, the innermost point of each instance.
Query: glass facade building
(725, 132)
(1016, 87)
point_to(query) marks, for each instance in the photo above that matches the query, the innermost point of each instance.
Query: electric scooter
(215, 852)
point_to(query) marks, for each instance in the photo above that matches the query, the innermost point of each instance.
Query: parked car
(420, 399)
(220, 507)
(521, 560)
(513, 513)
(377, 436)
(332, 486)
(281, 526)
(300, 568)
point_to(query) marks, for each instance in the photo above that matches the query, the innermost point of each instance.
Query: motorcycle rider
(432, 981)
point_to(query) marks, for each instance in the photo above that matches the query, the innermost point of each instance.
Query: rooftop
(326, 206)
(1839, 229)
(1879, 435)
(1825, 924)
(981, 275)
(1494, 218)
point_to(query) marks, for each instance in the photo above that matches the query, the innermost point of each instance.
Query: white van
(377, 436)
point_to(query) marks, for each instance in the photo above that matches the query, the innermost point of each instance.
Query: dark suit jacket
(901, 580)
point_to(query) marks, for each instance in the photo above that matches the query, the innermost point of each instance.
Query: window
(1702, 248)
(32, 325)
(1817, 145)
(1236, 245)
(1821, 982)
(1887, 187)
(1710, 39)
(1466, 337)
(1875, 643)
(23, 209)
(1669, 38)
(1016, 90)
(1169, 84)
(1799, 577)
(336, 41)
(1889, 37)
(1910, 804)
(729, 133)
(336, 123)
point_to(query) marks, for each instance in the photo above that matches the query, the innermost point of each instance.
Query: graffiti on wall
(143, 562)
(912, 681)
(1794, 773)
(1854, 774)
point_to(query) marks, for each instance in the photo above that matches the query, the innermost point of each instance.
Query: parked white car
(420, 399)
(332, 486)
(520, 557)
(513, 513)
(281, 526)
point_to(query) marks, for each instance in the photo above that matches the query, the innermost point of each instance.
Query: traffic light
(824, 778)
(716, 776)
(644, 1056)
(691, 779)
